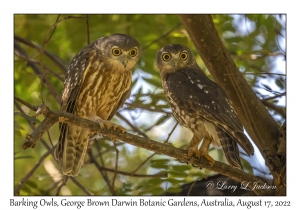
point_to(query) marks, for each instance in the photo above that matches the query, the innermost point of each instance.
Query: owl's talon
(198, 153)
(193, 151)
(207, 157)
(123, 130)
(109, 125)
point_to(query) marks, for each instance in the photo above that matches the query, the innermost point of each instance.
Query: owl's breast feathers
(98, 82)
(102, 87)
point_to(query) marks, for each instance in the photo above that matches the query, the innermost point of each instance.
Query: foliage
(256, 42)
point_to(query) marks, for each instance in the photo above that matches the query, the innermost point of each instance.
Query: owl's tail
(71, 149)
(230, 149)
(244, 142)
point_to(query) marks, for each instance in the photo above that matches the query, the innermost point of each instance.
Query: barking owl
(200, 105)
(97, 84)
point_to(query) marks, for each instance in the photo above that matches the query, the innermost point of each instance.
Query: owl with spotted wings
(97, 84)
(200, 105)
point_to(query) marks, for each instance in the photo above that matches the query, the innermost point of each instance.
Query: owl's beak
(175, 63)
(124, 62)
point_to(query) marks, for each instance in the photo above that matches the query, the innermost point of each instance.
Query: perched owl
(200, 105)
(97, 84)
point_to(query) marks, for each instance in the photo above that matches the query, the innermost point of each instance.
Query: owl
(200, 105)
(97, 83)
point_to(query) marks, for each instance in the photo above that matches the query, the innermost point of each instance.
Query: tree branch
(50, 55)
(134, 128)
(79, 185)
(29, 174)
(53, 117)
(274, 97)
(104, 175)
(259, 124)
(277, 109)
(38, 71)
(161, 37)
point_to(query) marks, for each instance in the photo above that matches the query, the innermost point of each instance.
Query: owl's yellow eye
(166, 56)
(133, 52)
(183, 55)
(116, 51)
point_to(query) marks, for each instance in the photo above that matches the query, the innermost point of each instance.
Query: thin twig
(191, 187)
(161, 37)
(103, 164)
(101, 172)
(49, 137)
(53, 26)
(157, 122)
(38, 62)
(52, 187)
(56, 60)
(38, 72)
(134, 128)
(143, 163)
(170, 134)
(277, 74)
(32, 126)
(277, 109)
(32, 107)
(116, 167)
(50, 151)
(80, 186)
(276, 96)
(42, 57)
(63, 183)
(29, 174)
(160, 175)
(145, 107)
(133, 172)
(87, 29)
(256, 73)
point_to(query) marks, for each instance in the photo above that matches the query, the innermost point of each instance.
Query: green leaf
(178, 174)
(200, 174)
(155, 181)
(153, 81)
(162, 106)
(160, 163)
(174, 189)
(157, 191)
(23, 157)
(27, 117)
(18, 133)
(17, 126)
(31, 184)
(181, 168)
(247, 167)
(162, 120)
(174, 181)
(134, 82)
(25, 190)
(280, 83)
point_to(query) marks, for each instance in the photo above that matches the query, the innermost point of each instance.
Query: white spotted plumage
(191, 93)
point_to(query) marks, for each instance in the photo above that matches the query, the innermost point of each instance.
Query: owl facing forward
(97, 84)
(200, 105)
